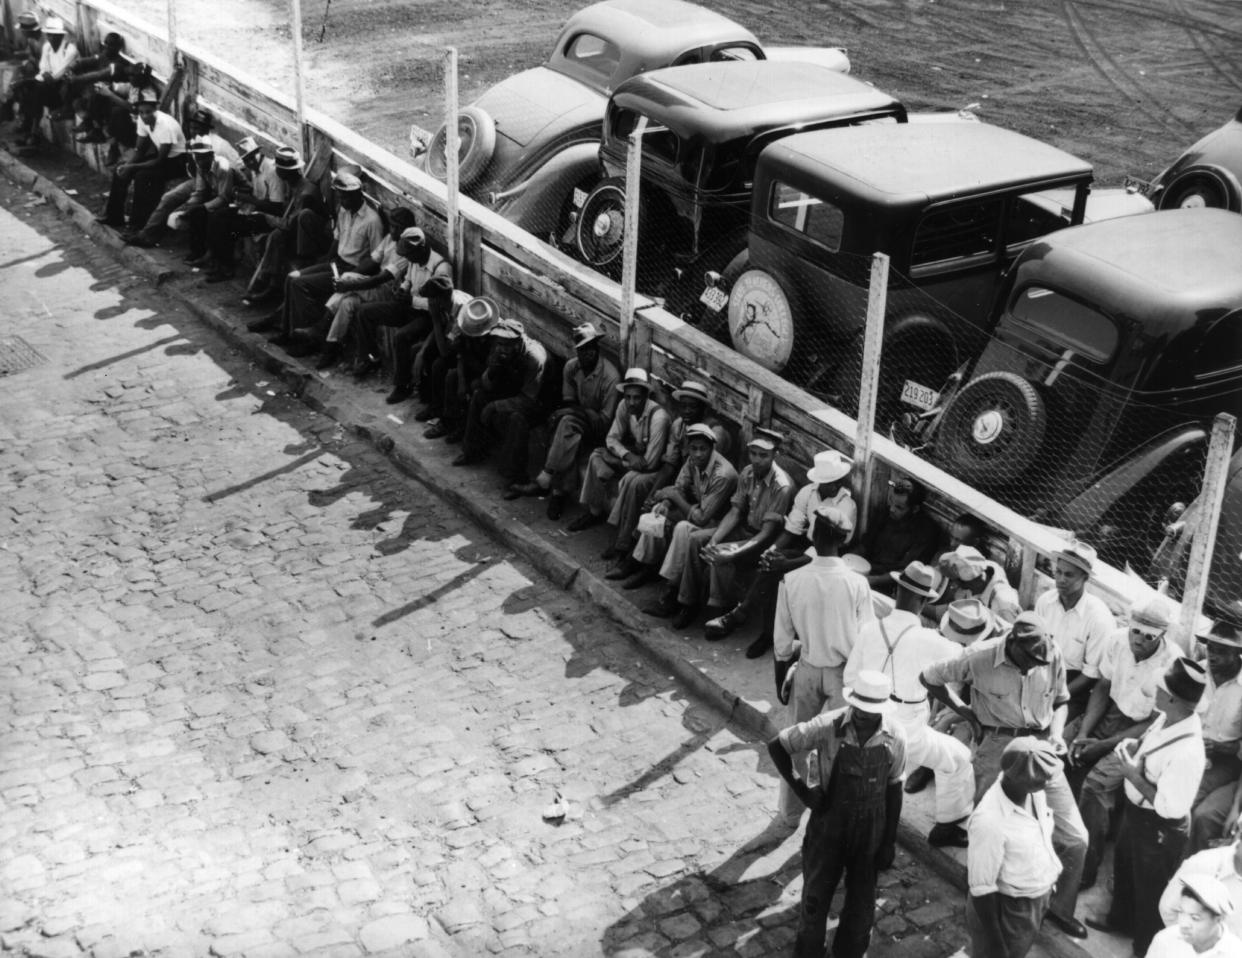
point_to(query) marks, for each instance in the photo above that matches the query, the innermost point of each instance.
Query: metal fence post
(452, 158)
(629, 240)
(1211, 497)
(864, 465)
(299, 86)
(172, 35)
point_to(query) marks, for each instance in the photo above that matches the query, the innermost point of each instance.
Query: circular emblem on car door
(760, 320)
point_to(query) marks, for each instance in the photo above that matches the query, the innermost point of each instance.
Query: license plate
(1134, 185)
(919, 396)
(714, 298)
(580, 196)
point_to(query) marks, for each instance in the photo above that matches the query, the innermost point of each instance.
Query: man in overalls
(853, 823)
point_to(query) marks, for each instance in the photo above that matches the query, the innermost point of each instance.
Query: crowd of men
(904, 659)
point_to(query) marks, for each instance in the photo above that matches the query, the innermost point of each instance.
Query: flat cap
(1030, 762)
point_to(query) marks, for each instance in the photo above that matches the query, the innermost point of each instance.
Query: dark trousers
(1018, 926)
(444, 389)
(839, 842)
(148, 184)
(196, 218)
(226, 226)
(306, 293)
(34, 96)
(508, 418)
(412, 325)
(1149, 850)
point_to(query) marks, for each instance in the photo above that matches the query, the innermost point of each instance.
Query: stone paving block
(393, 931)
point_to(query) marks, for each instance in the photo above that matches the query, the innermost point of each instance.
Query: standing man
(854, 814)
(1080, 623)
(1204, 911)
(900, 646)
(1018, 690)
(1219, 798)
(828, 482)
(588, 405)
(1162, 771)
(823, 606)
(635, 442)
(1011, 867)
(1121, 706)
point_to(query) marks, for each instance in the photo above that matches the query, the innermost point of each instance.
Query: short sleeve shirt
(357, 233)
(1221, 710)
(164, 130)
(826, 731)
(999, 693)
(807, 500)
(709, 489)
(763, 500)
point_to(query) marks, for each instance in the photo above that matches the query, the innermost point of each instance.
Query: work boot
(623, 569)
(330, 356)
(585, 521)
(644, 574)
(556, 507)
(663, 607)
(685, 617)
(759, 648)
(723, 626)
(945, 834)
(264, 324)
(399, 394)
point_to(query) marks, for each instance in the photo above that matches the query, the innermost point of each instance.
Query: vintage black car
(529, 145)
(952, 205)
(706, 127)
(1207, 174)
(1114, 346)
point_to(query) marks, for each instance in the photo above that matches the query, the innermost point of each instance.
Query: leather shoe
(663, 607)
(759, 648)
(427, 413)
(437, 431)
(623, 569)
(918, 780)
(645, 574)
(556, 506)
(1070, 926)
(264, 323)
(946, 834)
(723, 626)
(585, 521)
(685, 617)
(140, 240)
(399, 394)
(613, 552)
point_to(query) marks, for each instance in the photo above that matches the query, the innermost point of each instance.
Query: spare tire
(760, 320)
(993, 430)
(476, 142)
(600, 231)
(1201, 186)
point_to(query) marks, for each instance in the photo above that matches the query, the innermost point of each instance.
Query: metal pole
(452, 158)
(1211, 497)
(869, 383)
(629, 238)
(299, 87)
(172, 34)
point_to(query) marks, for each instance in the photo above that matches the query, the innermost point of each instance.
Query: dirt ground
(1126, 84)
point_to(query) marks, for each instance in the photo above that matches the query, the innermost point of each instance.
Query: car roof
(924, 163)
(657, 29)
(728, 100)
(1168, 269)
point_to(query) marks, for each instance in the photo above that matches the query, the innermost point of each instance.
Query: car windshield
(1060, 323)
(595, 54)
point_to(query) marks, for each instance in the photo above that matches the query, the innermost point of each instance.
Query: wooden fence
(550, 292)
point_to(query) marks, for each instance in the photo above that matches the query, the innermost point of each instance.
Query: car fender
(535, 203)
(1089, 506)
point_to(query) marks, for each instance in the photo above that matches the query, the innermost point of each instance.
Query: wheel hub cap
(988, 426)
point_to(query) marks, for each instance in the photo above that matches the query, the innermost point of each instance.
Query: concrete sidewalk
(718, 671)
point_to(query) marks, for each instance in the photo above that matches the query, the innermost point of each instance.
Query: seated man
(507, 400)
(1121, 706)
(107, 70)
(698, 498)
(358, 230)
(969, 574)
(212, 179)
(300, 230)
(828, 482)
(259, 200)
(409, 312)
(45, 90)
(159, 158)
(588, 405)
(714, 558)
(1219, 798)
(634, 490)
(636, 442)
(458, 372)
(902, 534)
(378, 279)
(108, 110)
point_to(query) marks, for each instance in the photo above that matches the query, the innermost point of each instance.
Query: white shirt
(1175, 770)
(1133, 683)
(1221, 708)
(56, 62)
(823, 604)
(1010, 849)
(914, 648)
(223, 148)
(802, 512)
(1082, 632)
(165, 130)
(1169, 943)
(1217, 862)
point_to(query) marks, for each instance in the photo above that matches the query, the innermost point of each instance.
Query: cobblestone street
(262, 694)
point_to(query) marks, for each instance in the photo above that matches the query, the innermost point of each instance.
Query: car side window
(1220, 352)
(966, 231)
(1029, 218)
(735, 52)
(600, 56)
(817, 220)
(1060, 323)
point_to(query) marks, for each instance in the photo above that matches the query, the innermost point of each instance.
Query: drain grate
(16, 354)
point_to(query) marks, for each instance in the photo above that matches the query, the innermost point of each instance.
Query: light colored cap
(965, 563)
(1211, 893)
(832, 517)
(346, 182)
(508, 329)
(829, 466)
(414, 235)
(767, 439)
(200, 144)
(701, 430)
